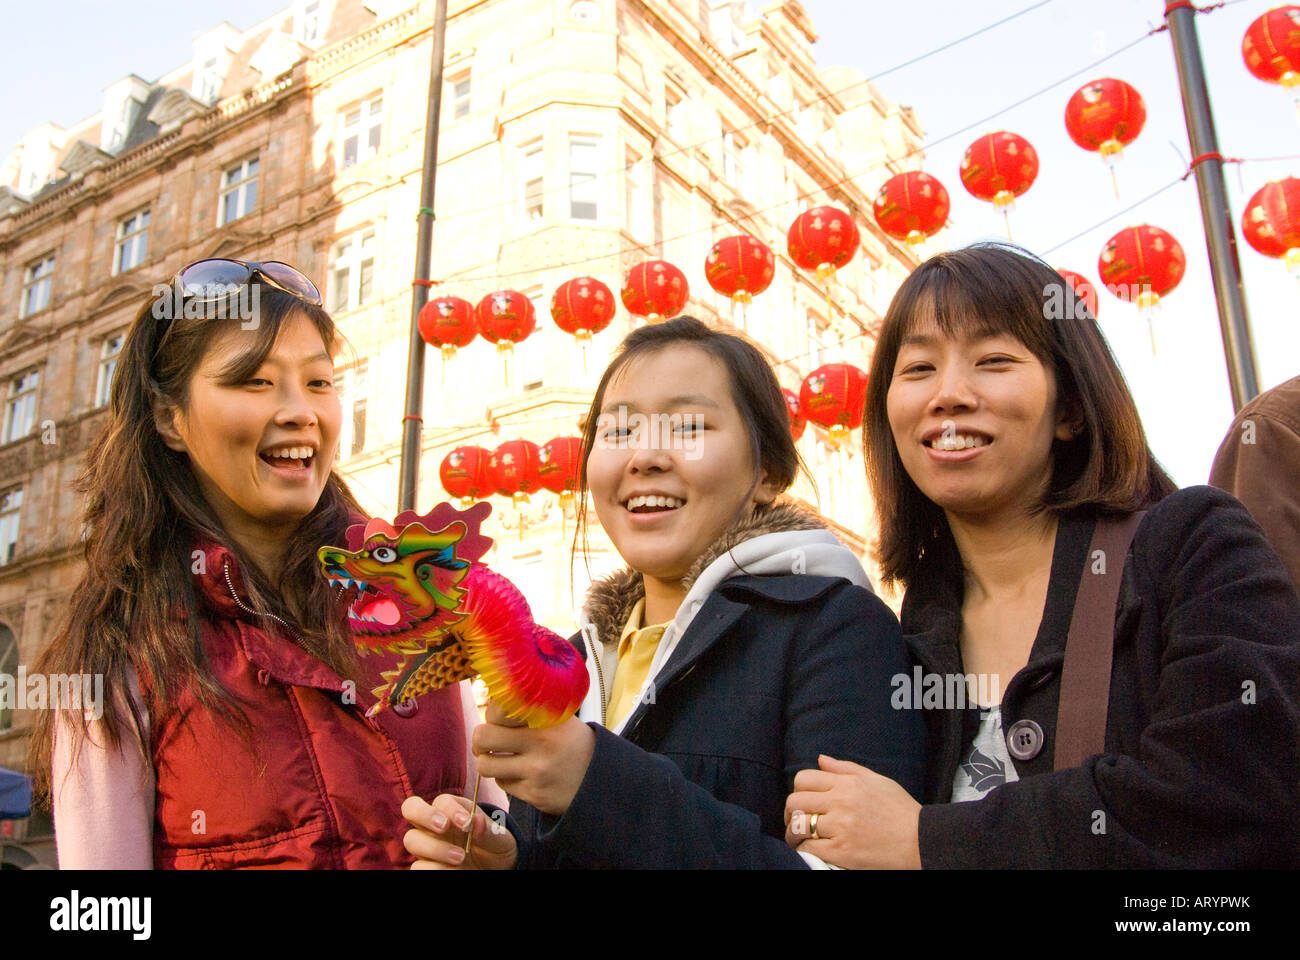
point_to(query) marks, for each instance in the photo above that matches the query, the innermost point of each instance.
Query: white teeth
(672, 503)
(290, 453)
(957, 442)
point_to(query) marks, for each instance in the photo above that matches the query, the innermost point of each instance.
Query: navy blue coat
(771, 672)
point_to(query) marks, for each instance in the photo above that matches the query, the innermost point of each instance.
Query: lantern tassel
(1151, 328)
(1006, 215)
(1114, 179)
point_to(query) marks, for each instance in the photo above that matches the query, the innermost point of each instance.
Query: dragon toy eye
(384, 554)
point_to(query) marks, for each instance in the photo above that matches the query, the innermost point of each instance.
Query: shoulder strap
(1085, 675)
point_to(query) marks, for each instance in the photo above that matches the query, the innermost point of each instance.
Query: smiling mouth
(653, 504)
(960, 441)
(288, 463)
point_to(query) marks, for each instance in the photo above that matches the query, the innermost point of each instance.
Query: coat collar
(610, 601)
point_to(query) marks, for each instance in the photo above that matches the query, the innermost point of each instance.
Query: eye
(323, 383)
(384, 554)
(690, 426)
(256, 380)
(919, 367)
(998, 359)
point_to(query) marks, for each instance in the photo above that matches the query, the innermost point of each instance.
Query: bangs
(973, 304)
(276, 309)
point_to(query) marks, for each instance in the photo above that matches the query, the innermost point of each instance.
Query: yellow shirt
(636, 648)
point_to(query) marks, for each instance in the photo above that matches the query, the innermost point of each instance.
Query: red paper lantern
(740, 267)
(505, 318)
(464, 474)
(513, 467)
(1105, 116)
(798, 422)
(834, 396)
(656, 290)
(1271, 46)
(822, 239)
(912, 206)
(559, 463)
(447, 322)
(1141, 264)
(583, 306)
(1083, 288)
(1271, 223)
(999, 167)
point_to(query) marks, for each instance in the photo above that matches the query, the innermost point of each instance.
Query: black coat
(1202, 761)
(771, 672)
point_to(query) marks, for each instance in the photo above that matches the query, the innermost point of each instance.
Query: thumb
(831, 765)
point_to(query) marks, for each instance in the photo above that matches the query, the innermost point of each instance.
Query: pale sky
(1182, 391)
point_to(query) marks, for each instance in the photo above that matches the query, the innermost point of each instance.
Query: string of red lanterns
(1271, 221)
(656, 290)
(912, 206)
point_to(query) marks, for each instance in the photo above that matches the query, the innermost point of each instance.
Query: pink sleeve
(488, 791)
(104, 800)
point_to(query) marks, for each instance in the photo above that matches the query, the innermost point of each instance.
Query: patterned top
(987, 763)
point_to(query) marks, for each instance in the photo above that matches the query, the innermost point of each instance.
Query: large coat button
(406, 708)
(1025, 739)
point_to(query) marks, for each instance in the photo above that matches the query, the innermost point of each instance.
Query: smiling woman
(235, 735)
(1012, 477)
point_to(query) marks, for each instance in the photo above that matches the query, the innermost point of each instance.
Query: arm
(103, 797)
(1258, 464)
(837, 701)
(1214, 781)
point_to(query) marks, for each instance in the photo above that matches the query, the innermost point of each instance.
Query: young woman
(234, 732)
(742, 641)
(999, 432)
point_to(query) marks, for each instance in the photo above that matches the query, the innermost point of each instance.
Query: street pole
(1225, 267)
(413, 421)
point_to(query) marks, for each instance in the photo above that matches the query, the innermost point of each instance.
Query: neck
(265, 547)
(1001, 556)
(662, 599)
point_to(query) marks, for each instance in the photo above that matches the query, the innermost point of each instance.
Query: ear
(164, 419)
(766, 491)
(1069, 421)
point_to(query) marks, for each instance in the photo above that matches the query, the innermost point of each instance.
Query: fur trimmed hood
(610, 601)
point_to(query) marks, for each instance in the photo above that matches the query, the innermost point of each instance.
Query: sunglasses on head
(208, 281)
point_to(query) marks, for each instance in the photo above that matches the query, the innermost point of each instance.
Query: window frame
(107, 367)
(10, 510)
(352, 384)
(354, 261)
(592, 177)
(137, 237)
(33, 279)
(368, 130)
(248, 178)
(536, 149)
(462, 104)
(16, 399)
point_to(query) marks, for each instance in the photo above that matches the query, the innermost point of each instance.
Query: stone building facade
(578, 137)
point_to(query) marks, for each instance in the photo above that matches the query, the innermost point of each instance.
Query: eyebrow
(979, 333)
(315, 358)
(682, 400)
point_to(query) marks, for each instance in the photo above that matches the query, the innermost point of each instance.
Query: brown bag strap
(1090, 645)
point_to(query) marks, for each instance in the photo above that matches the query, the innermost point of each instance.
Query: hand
(864, 820)
(541, 767)
(438, 840)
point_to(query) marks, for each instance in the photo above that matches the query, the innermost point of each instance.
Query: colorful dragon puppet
(415, 587)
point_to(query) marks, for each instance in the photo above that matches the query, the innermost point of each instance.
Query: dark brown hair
(143, 510)
(754, 390)
(1108, 466)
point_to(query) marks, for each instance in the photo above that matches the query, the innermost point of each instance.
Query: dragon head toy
(415, 587)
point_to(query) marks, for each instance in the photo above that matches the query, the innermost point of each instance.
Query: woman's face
(229, 431)
(973, 419)
(671, 462)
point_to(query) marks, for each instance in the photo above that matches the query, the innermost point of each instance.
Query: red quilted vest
(326, 785)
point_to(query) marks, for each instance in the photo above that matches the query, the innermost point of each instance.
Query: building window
(532, 352)
(108, 356)
(20, 410)
(532, 174)
(8, 668)
(584, 154)
(37, 282)
(674, 116)
(633, 196)
(821, 341)
(11, 503)
(733, 165)
(309, 30)
(354, 271)
(352, 390)
(360, 126)
(210, 81)
(132, 242)
(238, 192)
(460, 97)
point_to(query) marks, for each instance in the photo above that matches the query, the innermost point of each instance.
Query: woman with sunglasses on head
(233, 732)
(1118, 704)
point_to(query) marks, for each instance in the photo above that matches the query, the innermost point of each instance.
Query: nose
(296, 407)
(953, 390)
(650, 447)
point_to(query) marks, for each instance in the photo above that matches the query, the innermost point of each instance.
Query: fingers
(814, 780)
(493, 714)
(831, 765)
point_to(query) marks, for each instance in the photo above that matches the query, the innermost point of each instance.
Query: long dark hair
(143, 511)
(1108, 466)
(754, 390)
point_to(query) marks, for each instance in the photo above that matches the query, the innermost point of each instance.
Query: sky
(1181, 391)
